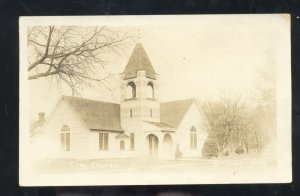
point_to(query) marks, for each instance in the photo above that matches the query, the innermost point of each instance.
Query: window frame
(103, 141)
(122, 145)
(65, 138)
(193, 138)
(132, 141)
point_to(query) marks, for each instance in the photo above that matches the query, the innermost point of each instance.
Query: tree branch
(36, 76)
(46, 51)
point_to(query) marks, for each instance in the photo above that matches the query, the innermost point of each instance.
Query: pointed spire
(139, 61)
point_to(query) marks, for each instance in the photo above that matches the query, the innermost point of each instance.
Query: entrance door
(167, 146)
(153, 145)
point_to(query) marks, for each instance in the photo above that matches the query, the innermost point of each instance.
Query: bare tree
(229, 124)
(237, 126)
(74, 55)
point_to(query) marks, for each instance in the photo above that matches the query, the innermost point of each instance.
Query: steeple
(139, 60)
(139, 91)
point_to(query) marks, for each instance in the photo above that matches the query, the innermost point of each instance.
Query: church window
(131, 90)
(150, 90)
(65, 138)
(131, 141)
(122, 145)
(193, 138)
(103, 141)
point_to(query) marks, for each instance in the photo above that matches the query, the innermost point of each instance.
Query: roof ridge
(179, 100)
(86, 99)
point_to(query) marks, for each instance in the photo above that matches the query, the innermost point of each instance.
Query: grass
(144, 164)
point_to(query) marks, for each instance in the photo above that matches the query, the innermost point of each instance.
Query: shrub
(178, 153)
(239, 150)
(226, 153)
(210, 149)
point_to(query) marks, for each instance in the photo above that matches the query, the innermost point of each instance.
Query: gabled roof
(105, 116)
(97, 115)
(139, 61)
(122, 136)
(161, 125)
(173, 112)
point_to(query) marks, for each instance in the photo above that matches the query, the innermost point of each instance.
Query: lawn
(148, 165)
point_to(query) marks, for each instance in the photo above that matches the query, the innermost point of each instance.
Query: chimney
(41, 116)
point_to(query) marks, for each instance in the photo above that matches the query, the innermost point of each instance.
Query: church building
(139, 126)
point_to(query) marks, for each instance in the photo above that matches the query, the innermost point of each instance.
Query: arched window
(130, 90)
(65, 138)
(150, 90)
(122, 145)
(193, 138)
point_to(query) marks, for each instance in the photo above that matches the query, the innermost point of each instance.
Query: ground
(147, 165)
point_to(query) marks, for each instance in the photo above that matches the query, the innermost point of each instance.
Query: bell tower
(139, 90)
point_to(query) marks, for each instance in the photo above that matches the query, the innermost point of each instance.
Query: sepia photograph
(146, 100)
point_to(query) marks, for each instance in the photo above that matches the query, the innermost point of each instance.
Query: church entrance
(167, 146)
(153, 145)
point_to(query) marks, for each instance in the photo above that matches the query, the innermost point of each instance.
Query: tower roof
(139, 60)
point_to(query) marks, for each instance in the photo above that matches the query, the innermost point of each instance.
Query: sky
(207, 58)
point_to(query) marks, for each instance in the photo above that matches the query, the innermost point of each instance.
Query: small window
(151, 113)
(131, 141)
(130, 113)
(122, 145)
(103, 141)
(65, 138)
(193, 138)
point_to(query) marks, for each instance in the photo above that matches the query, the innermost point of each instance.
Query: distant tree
(265, 115)
(71, 54)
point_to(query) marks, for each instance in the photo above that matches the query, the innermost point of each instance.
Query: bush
(239, 150)
(210, 149)
(226, 153)
(178, 153)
